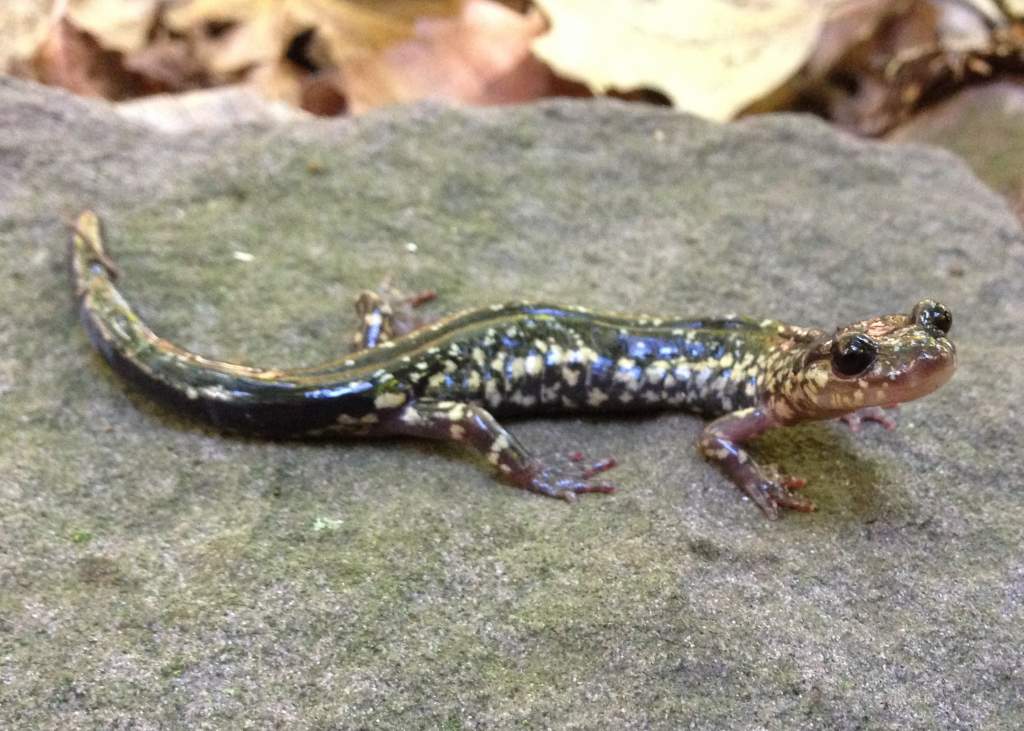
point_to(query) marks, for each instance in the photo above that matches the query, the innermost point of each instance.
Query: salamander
(450, 379)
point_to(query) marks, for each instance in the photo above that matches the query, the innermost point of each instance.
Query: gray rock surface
(155, 574)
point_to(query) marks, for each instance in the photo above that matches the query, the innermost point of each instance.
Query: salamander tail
(88, 257)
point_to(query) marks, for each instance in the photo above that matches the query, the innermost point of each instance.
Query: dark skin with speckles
(450, 379)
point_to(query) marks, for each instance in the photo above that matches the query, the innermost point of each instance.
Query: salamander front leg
(768, 489)
(386, 315)
(474, 427)
(877, 414)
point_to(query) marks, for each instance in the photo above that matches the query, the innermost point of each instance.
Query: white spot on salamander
(533, 365)
(497, 447)
(437, 380)
(217, 393)
(411, 417)
(389, 400)
(492, 394)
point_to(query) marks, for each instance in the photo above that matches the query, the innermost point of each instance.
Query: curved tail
(119, 333)
(88, 257)
(228, 395)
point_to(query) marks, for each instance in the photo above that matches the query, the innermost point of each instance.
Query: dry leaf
(849, 22)
(72, 59)
(109, 49)
(297, 50)
(481, 56)
(260, 31)
(117, 25)
(169, 64)
(255, 32)
(713, 57)
(960, 28)
(922, 51)
(24, 24)
(323, 94)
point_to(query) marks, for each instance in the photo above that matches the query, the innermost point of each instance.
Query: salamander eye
(932, 315)
(853, 354)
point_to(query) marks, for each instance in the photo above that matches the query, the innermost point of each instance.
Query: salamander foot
(563, 481)
(388, 314)
(773, 490)
(877, 414)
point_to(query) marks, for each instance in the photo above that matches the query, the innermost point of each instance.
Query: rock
(985, 126)
(191, 111)
(154, 573)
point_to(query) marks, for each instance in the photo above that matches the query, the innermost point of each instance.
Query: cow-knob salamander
(448, 379)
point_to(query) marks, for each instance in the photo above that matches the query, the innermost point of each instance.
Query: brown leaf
(71, 58)
(169, 63)
(323, 94)
(481, 56)
(849, 23)
(257, 32)
(923, 51)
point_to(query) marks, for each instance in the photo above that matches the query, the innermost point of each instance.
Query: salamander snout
(882, 361)
(897, 358)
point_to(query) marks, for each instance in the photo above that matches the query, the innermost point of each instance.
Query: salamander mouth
(928, 372)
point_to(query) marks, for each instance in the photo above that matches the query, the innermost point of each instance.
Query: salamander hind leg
(387, 314)
(474, 427)
(766, 486)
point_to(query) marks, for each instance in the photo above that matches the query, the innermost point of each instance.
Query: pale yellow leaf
(351, 30)
(25, 24)
(118, 25)
(712, 57)
(183, 16)
(256, 34)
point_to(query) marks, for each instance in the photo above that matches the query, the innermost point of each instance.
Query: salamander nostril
(933, 315)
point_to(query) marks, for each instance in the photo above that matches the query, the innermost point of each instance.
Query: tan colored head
(878, 362)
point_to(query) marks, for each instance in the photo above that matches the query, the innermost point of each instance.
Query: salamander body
(450, 379)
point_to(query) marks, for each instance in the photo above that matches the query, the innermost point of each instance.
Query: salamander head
(878, 362)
